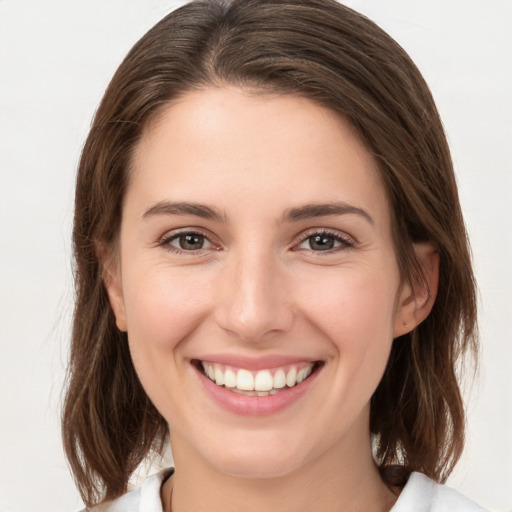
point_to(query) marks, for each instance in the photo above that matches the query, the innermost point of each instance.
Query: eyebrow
(185, 208)
(311, 211)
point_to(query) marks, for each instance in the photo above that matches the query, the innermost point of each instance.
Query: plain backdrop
(56, 58)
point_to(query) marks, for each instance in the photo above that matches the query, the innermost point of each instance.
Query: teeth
(291, 377)
(261, 383)
(219, 376)
(244, 380)
(301, 375)
(279, 379)
(229, 378)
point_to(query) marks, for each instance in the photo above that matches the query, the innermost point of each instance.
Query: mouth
(261, 383)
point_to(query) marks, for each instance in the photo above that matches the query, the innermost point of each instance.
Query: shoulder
(144, 499)
(421, 494)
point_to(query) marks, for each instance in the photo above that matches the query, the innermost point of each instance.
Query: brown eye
(321, 242)
(188, 242)
(191, 242)
(325, 242)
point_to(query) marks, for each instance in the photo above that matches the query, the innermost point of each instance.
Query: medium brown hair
(332, 55)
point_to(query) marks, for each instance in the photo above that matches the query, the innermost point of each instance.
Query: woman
(272, 271)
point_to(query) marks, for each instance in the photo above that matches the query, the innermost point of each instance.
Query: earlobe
(112, 280)
(417, 299)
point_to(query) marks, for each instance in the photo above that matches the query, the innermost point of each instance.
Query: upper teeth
(262, 380)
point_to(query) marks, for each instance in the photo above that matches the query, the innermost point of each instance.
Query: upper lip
(254, 363)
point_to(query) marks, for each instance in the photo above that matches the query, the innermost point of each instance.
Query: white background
(56, 57)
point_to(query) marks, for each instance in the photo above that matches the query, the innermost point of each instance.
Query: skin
(257, 287)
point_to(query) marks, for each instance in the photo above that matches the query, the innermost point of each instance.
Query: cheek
(163, 307)
(355, 309)
(354, 313)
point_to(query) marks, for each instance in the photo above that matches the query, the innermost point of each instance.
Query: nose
(253, 302)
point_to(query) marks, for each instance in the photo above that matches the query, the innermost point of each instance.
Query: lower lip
(245, 405)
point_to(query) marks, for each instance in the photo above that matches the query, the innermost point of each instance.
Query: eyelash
(345, 241)
(165, 242)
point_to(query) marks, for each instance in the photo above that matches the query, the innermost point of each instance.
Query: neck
(326, 484)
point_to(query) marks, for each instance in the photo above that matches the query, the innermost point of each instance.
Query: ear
(417, 299)
(112, 279)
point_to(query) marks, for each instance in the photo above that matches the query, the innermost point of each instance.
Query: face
(257, 280)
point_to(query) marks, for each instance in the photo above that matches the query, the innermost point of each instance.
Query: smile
(263, 382)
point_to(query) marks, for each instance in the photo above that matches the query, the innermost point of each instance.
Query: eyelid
(164, 241)
(347, 241)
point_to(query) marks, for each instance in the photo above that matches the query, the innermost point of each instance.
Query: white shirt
(420, 494)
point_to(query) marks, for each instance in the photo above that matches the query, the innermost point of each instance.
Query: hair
(330, 54)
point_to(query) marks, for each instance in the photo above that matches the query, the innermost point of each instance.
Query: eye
(325, 241)
(187, 242)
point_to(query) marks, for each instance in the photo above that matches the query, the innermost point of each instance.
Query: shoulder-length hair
(332, 55)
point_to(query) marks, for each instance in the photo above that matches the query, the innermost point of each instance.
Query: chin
(258, 456)
(257, 467)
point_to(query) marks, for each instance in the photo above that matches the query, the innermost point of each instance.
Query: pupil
(321, 243)
(191, 242)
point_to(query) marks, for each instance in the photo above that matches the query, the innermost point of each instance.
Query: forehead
(229, 142)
